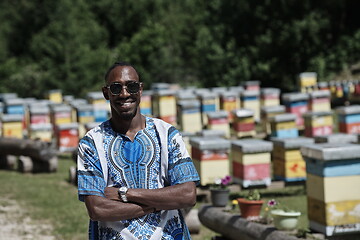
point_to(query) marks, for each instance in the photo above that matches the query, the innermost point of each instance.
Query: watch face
(123, 189)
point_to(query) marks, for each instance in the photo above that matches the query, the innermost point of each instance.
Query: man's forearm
(102, 209)
(167, 198)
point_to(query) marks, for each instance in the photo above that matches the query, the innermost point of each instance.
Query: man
(134, 173)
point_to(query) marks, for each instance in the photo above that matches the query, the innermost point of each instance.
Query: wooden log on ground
(234, 227)
(39, 150)
(192, 221)
(28, 165)
(7, 162)
(25, 164)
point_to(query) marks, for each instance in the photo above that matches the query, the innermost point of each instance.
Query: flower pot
(219, 197)
(250, 208)
(285, 220)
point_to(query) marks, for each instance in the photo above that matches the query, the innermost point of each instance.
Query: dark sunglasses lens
(133, 87)
(115, 88)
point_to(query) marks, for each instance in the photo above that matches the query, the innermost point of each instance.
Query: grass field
(50, 197)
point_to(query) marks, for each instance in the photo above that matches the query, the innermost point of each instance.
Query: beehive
(101, 107)
(252, 85)
(218, 91)
(306, 80)
(288, 163)
(43, 131)
(296, 103)
(67, 136)
(210, 133)
(189, 115)
(349, 119)
(284, 125)
(12, 125)
(250, 99)
(266, 112)
(243, 123)
(55, 96)
(251, 161)
(211, 158)
(270, 97)
(319, 101)
(337, 137)
(145, 104)
(229, 101)
(318, 123)
(60, 114)
(219, 120)
(323, 86)
(39, 114)
(208, 101)
(164, 105)
(14, 106)
(84, 113)
(333, 193)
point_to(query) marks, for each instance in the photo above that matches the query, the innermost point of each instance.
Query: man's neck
(128, 127)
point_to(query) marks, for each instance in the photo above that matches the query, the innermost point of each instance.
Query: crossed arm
(141, 202)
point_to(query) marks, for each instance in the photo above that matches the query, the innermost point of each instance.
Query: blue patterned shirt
(134, 164)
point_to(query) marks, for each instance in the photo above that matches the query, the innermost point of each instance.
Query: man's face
(124, 105)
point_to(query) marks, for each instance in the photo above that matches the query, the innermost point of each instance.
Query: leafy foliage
(68, 45)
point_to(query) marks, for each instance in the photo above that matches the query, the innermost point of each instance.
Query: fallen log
(39, 150)
(7, 162)
(234, 227)
(33, 155)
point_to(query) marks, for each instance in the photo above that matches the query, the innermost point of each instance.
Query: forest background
(69, 44)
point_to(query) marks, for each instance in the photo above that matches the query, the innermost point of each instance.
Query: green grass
(49, 197)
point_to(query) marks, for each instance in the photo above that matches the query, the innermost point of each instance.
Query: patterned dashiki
(135, 164)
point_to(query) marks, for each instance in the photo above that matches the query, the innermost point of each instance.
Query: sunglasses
(131, 87)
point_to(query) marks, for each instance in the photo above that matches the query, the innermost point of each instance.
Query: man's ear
(105, 93)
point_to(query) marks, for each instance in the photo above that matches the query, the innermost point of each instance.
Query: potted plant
(284, 218)
(219, 192)
(250, 206)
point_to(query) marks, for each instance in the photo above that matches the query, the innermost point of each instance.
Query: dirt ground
(15, 224)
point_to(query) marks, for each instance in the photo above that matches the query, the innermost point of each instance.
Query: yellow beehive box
(211, 170)
(12, 125)
(189, 115)
(55, 96)
(319, 107)
(284, 125)
(229, 101)
(250, 99)
(289, 169)
(307, 79)
(320, 121)
(167, 105)
(287, 154)
(43, 131)
(61, 114)
(334, 213)
(210, 157)
(266, 112)
(333, 189)
(250, 158)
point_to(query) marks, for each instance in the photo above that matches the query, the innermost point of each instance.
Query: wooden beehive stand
(33, 156)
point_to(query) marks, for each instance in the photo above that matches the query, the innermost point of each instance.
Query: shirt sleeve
(180, 166)
(89, 172)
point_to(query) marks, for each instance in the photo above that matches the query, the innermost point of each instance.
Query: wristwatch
(122, 193)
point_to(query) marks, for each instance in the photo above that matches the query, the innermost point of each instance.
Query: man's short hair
(116, 64)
